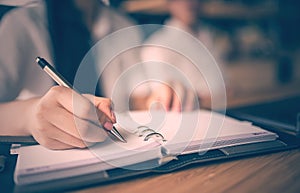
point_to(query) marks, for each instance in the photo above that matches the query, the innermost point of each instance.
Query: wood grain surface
(277, 172)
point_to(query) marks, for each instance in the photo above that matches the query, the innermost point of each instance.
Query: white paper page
(201, 128)
(182, 127)
(34, 159)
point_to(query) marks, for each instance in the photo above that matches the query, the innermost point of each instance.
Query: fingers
(178, 93)
(166, 97)
(78, 105)
(161, 97)
(64, 119)
(54, 138)
(105, 106)
(86, 107)
(191, 101)
(68, 124)
(184, 98)
(176, 97)
(104, 110)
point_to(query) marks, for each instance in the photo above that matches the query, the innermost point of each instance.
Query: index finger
(104, 107)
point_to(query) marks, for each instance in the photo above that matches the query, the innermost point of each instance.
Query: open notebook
(153, 138)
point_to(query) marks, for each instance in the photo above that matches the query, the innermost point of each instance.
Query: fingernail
(108, 125)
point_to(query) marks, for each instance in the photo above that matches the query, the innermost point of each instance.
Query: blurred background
(260, 39)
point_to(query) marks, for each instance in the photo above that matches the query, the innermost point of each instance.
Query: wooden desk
(278, 172)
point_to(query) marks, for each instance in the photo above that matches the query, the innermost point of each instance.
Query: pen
(59, 79)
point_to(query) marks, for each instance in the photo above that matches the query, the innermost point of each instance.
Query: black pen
(59, 79)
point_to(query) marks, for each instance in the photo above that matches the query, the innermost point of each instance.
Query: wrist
(29, 109)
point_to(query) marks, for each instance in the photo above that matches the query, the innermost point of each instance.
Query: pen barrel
(57, 77)
(53, 73)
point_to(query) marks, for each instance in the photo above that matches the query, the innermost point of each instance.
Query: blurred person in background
(171, 92)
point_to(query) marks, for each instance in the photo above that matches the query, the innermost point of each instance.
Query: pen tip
(121, 138)
(115, 132)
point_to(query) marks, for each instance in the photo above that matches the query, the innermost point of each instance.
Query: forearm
(14, 117)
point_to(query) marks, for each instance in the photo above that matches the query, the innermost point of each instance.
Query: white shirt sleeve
(23, 37)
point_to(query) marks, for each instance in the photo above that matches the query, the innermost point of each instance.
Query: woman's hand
(173, 97)
(64, 119)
